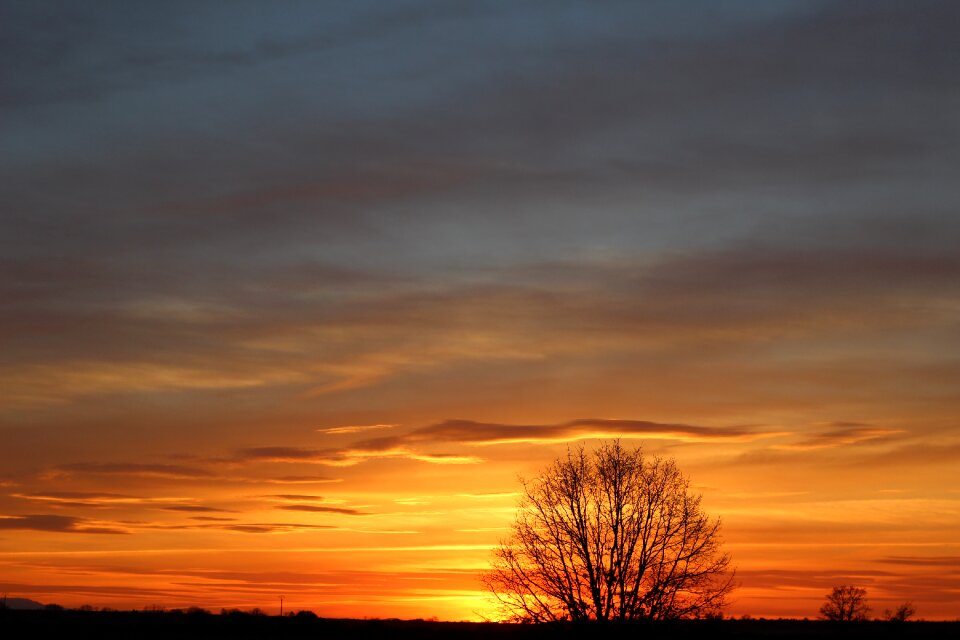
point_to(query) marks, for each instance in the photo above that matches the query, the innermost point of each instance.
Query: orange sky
(291, 296)
(374, 518)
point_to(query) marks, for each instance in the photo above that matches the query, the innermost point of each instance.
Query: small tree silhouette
(901, 614)
(846, 603)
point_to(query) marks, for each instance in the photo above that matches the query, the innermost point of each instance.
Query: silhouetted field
(70, 624)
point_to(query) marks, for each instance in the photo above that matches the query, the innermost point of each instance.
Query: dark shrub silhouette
(846, 603)
(901, 614)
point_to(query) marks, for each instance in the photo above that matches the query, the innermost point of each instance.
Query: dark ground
(70, 624)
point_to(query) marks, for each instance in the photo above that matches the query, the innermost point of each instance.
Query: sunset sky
(293, 293)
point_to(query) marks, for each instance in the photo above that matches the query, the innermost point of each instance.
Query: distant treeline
(74, 624)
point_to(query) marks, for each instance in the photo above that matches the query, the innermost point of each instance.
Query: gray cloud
(892, 450)
(193, 508)
(785, 579)
(301, 480)
(169, 471)
(847, 436)
(314, 508)
(345, 456)
(76, 495)
(55, 524)
(214, 523)
(109, 591)
(77, 498)
(948, 563)
(273, 527)
(295, 497)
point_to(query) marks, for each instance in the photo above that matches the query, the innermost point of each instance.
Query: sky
(292, 294)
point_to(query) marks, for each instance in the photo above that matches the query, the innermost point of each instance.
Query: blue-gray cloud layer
(185, 186)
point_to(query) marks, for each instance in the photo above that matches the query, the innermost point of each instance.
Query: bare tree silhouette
(901, 614)
(610, 535)
(846, 603)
